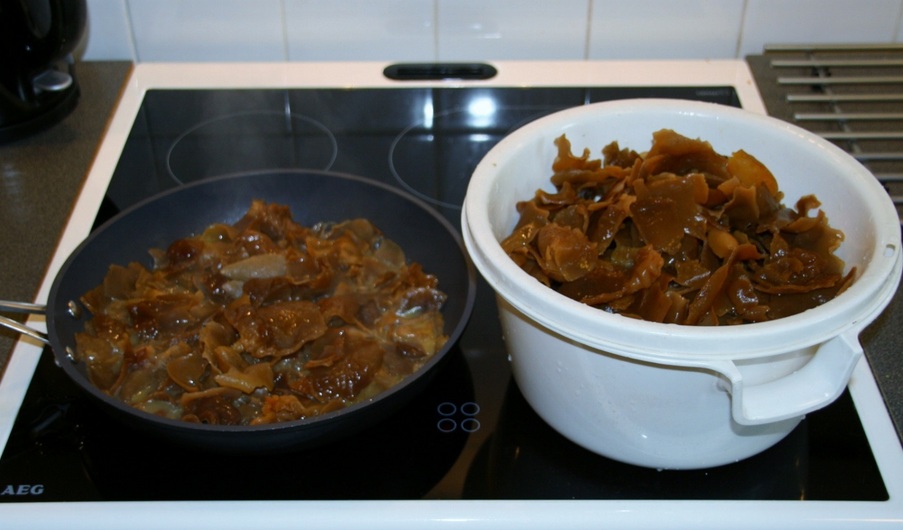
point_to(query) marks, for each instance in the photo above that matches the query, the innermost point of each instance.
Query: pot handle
(816, 384)
(15, 325)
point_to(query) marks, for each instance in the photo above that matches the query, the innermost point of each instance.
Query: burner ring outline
(533, 112)
(287, 116)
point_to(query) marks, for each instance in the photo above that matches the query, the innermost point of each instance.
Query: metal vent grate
(851, 95)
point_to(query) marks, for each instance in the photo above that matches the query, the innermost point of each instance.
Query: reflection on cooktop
(425, 140)
(525, 459)
(249, 141)
(415, 154)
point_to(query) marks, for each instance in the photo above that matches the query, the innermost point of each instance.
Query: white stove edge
(421, 514)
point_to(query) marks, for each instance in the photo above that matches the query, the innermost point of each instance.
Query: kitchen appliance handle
(18, 327)
(440, 71)
(22, 307)
(815, 385)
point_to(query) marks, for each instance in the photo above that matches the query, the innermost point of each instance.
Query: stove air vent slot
(849, 94)
(439, 71)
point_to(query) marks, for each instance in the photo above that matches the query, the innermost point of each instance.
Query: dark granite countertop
(40, 176)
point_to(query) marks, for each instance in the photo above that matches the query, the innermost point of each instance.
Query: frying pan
(313, 196)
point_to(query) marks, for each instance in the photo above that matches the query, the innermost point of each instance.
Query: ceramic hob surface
(470, 436)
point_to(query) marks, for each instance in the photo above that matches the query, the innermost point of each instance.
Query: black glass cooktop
(470, 434)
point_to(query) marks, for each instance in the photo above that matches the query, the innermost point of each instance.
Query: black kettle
(37, 81)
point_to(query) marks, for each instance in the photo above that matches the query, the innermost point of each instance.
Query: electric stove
(468, 450)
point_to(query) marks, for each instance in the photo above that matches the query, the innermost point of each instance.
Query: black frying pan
(313, 196)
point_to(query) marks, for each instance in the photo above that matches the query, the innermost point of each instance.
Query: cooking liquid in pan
(469, 435)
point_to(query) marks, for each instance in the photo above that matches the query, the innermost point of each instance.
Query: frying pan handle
(18, 327)
(816, 384)
(22, 307)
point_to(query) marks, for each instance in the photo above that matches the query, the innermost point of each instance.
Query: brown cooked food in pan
(262, 321)
(680, 234)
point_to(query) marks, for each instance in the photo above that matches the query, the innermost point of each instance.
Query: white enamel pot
(665, 395)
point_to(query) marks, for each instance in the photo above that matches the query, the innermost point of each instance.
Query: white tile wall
(207, 30)
(806, 21)
(665, 29)
(108, 34)
(450, 30)
(343, 30)
(511, 30)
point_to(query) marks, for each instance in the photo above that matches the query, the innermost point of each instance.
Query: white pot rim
(671, 343)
